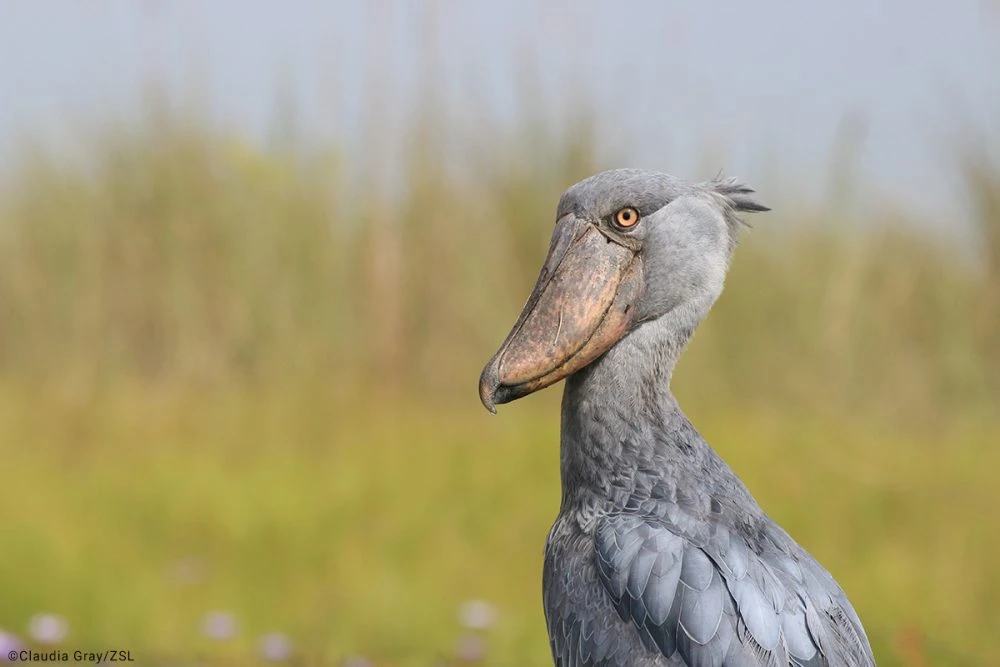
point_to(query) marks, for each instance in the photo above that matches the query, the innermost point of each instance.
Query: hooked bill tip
(488, 384)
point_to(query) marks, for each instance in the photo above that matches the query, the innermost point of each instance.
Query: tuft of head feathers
(737, 194)
(737, 198)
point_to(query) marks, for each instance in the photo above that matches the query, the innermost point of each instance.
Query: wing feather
(714, 601)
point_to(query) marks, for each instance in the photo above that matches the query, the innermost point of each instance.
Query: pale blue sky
(766, 83)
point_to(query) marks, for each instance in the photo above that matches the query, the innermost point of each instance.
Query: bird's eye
(626, 217)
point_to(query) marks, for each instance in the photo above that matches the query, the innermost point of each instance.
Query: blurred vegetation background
(241, 378)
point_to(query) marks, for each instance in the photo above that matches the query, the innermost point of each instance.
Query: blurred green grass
(244, 379)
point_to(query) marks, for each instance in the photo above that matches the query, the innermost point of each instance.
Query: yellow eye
(627, 217)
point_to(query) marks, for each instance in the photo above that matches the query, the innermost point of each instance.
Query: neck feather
(621, 426)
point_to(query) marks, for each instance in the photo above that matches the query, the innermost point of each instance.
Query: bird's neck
(621, 426)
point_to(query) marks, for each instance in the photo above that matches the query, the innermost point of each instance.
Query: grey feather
(701, 610)
(738, 195)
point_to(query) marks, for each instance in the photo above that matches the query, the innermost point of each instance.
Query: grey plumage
(660, 556)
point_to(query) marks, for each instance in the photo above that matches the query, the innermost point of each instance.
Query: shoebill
(659, 555)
